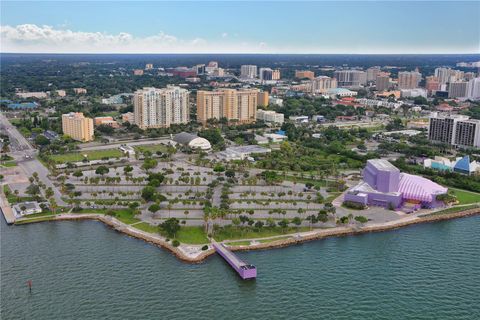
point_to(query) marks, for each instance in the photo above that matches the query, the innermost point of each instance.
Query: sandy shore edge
(304, 237)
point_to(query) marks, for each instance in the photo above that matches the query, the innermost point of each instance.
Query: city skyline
(358, 27)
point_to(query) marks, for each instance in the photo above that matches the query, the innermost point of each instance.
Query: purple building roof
(418, 188)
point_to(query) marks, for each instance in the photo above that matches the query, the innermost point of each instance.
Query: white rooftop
(382, 164)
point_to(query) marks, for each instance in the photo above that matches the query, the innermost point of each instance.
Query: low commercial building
(26, 208)
(413, 93)
(378, 103)
(37, 95)
(23, 105)
(275, 100)
(409, 133)
(384, 185)
(340, 92)
(299, 119)
(51, 135)
(108, 121)
(117, 99)
(242, 152)
(275, 137)
(270, 116)
(128, 117)
(192, 141)
(128, 150)
(461, 165)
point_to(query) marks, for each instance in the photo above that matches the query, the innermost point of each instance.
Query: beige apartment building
(236, 105)
(302, 74)
(80, 90)
(262, 99)
(78, 127)
(322, 84)
(409, 79)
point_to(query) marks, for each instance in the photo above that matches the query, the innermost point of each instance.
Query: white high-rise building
(446, 75)
(473, 89)
(160, 108)
(248, 71)
(350, 78)
(457, 89)
(456, 130)
(267, 74)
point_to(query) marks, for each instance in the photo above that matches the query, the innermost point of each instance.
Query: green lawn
(152, 148)
(9, 164)
(248, 233)
(126, 216)
(452, 210)
(39, 219)
(332, 196)
(147, 227)
(12, 198)
(192, 235)
(239, 243)
(188, 235)
(274, 239)
(91, 155)
(466, 197)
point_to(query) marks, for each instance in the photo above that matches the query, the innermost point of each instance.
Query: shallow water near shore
(85, 270)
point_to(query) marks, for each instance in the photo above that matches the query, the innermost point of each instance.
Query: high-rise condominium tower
(160, 108)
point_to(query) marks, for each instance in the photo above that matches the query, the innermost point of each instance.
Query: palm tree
(53, 205)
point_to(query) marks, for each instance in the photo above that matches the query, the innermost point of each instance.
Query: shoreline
(296, 238)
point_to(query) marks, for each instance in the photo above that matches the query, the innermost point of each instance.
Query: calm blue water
(84, 270)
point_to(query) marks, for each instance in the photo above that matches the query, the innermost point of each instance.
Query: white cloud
(47, 39)
(31, 38)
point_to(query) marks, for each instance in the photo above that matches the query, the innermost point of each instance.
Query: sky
(240, 27)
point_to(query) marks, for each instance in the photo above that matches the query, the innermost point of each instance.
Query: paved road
(21, 148)
(130, 143)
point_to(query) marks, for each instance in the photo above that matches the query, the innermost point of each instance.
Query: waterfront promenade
(6, 209)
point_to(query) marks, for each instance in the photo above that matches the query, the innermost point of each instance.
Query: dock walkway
(245, 270)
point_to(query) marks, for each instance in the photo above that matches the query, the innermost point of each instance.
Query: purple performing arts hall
(384, 185)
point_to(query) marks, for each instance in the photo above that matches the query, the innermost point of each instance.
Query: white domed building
(192, 141)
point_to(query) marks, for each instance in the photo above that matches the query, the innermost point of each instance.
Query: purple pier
(245, 270)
